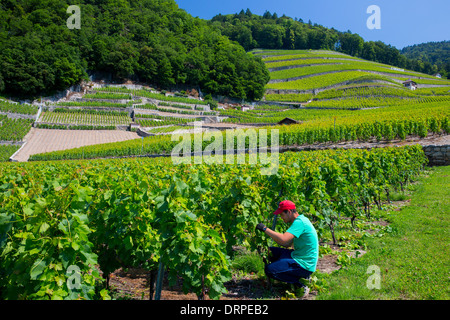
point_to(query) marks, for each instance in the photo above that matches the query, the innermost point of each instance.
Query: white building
(410, 84)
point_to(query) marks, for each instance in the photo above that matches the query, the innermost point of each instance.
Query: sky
(402, 22)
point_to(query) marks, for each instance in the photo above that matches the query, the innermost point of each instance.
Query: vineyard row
(61, 219)
(312, 132)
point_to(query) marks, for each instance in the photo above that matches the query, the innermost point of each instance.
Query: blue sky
(403, 22)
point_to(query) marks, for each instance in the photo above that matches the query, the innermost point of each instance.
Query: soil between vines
(133, 284)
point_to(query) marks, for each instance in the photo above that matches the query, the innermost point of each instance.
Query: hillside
(152, 41)
(271, 31)
(141, 172)
(317, 88)
(318, 78)
(157, 116)
(435, 53)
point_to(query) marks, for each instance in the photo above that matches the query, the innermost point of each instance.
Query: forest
(272, 32)
(156, 42)
(434, 52)
(147, 40)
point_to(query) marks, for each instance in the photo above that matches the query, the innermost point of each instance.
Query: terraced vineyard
(94, 118)
(157, 121)
(321, 81)
(318, 126)
(337, 65)
(9, 107)
(101, 108)
(6, 151)
(13, 129)
(15, 122)
(157, 208)
(88, 118)
(310, 77)
(149, 145)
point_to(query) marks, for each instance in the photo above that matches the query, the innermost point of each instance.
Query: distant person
(289, 265)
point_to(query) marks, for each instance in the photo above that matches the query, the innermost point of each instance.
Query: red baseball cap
(284, 205)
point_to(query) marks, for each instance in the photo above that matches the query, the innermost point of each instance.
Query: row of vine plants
(340, 128)
(66, 226)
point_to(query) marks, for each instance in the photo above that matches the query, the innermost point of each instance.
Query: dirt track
(47, 140)
(410, 140)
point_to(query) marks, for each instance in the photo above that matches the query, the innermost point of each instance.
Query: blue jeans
(284, 268)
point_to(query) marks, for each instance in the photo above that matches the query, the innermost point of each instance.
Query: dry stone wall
(438, 155)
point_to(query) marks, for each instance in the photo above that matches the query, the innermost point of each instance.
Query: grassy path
(413, 261)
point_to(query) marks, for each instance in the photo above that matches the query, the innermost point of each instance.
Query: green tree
(2, 83)
(151, 39)
(351, 44)
(66, 73)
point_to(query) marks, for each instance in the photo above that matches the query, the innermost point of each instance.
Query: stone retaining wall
(19, 115)
(11, 143)
(317, 90)
(438, 155)
(82, 108)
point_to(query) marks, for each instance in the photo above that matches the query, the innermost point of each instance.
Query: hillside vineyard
(63, 214)
(148, 144)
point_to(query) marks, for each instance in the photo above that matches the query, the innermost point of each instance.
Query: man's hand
(261, 227)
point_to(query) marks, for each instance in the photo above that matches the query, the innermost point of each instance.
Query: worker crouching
(289, 265)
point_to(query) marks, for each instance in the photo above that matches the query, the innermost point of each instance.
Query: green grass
(248, 263)
(413, 259)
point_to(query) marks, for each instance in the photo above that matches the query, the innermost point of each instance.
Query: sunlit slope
(311, 75)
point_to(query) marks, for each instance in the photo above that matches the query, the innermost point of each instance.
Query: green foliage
(133, 213)
(14, 129)
(50, 234)
(85, 117)
(108, 95)
(319, 126)
(192, 246)
(6, 151)
(151, 39)
(412, 260)
(340, 65)
(272, 32)
(38, 54)
(248, 263)
(18, 108)
(319, 81)
(431, 54)
(375, 102)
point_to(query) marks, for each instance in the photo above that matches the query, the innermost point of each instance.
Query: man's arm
(283, 239)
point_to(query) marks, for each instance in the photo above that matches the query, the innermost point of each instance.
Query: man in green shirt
(289, 265)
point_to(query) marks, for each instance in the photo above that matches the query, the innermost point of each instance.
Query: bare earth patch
(47, 140)
(135, 283)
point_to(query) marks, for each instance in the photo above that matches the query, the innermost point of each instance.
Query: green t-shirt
(306, 243)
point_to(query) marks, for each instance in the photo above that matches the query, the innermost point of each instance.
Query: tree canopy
(431, 53)
(156, 42)
(272, 32)
(151, 40)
